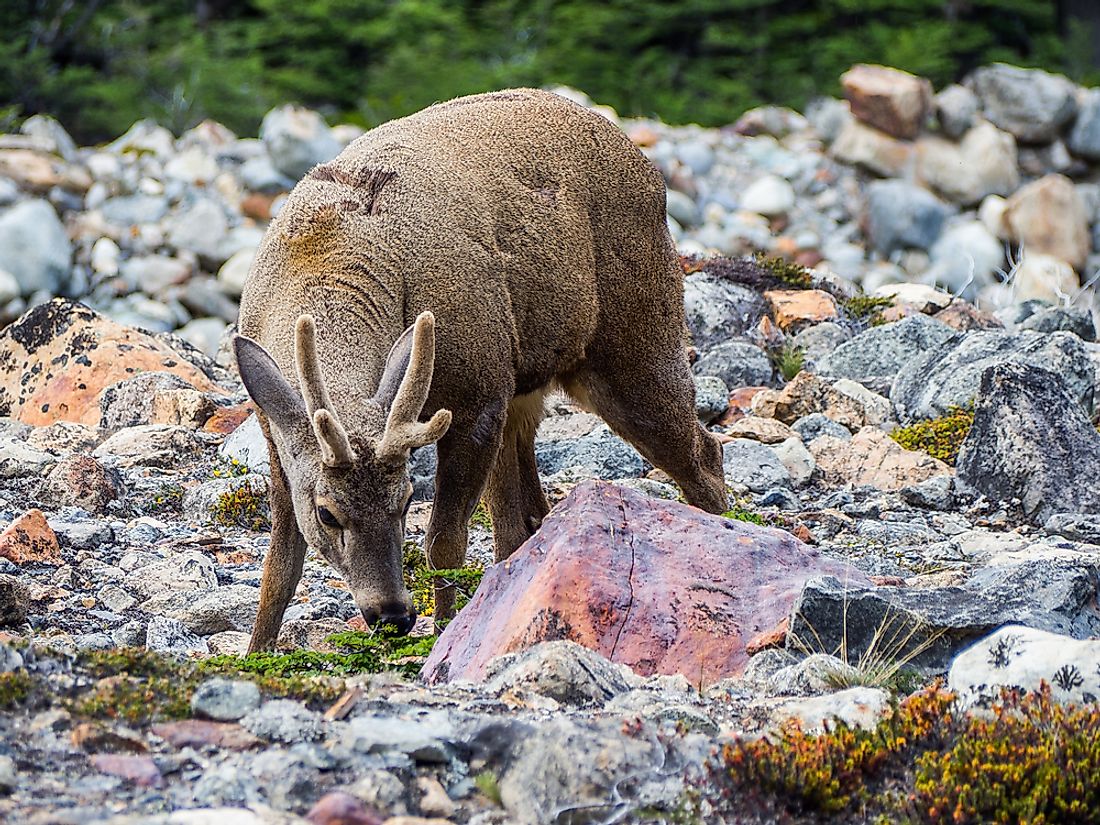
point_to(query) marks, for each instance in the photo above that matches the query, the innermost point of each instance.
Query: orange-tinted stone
(30, 539)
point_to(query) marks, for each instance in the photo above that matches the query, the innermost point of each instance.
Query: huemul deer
(433, 283)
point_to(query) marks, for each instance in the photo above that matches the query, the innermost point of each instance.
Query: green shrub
(940, 437)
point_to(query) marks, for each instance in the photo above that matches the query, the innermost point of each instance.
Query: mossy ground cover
(939, 437)
(866, 309)
(1029, 760)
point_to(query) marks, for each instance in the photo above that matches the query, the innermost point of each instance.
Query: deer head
(350, 489)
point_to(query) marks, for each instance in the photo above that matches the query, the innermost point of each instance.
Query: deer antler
(336, 448)
(404, 432)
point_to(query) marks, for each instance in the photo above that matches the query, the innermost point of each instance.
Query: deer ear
(272, 393)
(397, 363)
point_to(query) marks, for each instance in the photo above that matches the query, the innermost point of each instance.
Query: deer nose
(398, 615)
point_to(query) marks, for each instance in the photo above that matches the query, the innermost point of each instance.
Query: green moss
(941, 437)
(867, 309)
(15, 688)
(135, 700)
(740, 513)
(481, 517)
(243, 506)
(791, 274)
(1030, 760)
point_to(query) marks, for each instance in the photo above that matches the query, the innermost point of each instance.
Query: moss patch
(244, 506)
(790, 274)
(941, 437)
(866, 309)
(741, 513)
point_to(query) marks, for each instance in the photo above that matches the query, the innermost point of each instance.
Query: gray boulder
(902, 215)
(711, 397)
(297, 139)
(164, 635)
(225, 700)
(130, 210)
(818, 341)
(754, 465)
(956, 107)
(597, 454)
(818, 424)
(737, 363)
(879, 352)
(1071, 319)
(34, 247)
(931, 625)
(949, 375)
(1031, 104)
(1084, 138)
(563, 670)
(1031, 443)
(717, 310)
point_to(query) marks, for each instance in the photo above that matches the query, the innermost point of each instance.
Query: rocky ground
(905, 384)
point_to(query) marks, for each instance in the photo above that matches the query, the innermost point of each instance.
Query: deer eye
(325, 516)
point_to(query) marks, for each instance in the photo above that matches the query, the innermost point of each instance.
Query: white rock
(857, 707)
(965, 257)
(192, 166)
(9, 287)
(34, 247)
(105, 254)
(796, 458)
(876, 409)
(248, 445)
(1043, 277)
(992, 215)
(769, 196)
(1018, 656)
(924, 297)
(234, 272)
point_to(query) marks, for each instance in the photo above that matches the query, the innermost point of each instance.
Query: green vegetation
(940, 437)
(420, 579)
(15, 687)
(741, 513)
(167, 498)
(487, 783)
(243, 506)
(230, 468)
(1031, 760)
(867, 309)
(788, 360)
(98, 65)
(791, 275)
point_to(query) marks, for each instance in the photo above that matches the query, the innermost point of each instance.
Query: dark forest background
(98, 65)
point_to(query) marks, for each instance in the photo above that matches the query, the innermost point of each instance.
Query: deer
(433, 283)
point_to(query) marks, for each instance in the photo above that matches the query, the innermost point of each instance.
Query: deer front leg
(283, 563)
(465, 456)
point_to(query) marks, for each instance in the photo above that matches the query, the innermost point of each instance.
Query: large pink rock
(656, 585)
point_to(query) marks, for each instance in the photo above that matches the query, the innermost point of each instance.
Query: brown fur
(535, 233)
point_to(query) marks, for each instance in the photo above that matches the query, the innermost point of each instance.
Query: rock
(891, 100)
(664, 598)
(1048, 217)
(964, 316)
(777, 121)
(797, 459)
(9, 776)
(818, 341)
(871, 457)
(145, 137)
(189, 572)
(752, 464)
(878, 353)
(797, 307)
(736, 363)
(52, 134)
(859, 708)
(248, 446)
(71, 354)
(170, 636)
(427, 739)
(137, 768)
(598, 454)
(15, 603)
(134, 210)
(860, 145)
(81, 535)
(1038, 277)
(234, 272)
(717, 309)
(338, 808)
(230, 607)
(29, 540)
(922, 297)
(956, 108)
(225, 700)
(1031, 104)
(1031, 442)
(816, 425)
(928, 626)
(712, 397)
(807, 393)
(19, 459)
(769, 196)
(297, 139)
(764, 430)
(149, 445)
(983, 163)
(900, 215)
(1084, 138)
(154, 274)
(936, 493)
(202, 229)
(284, 720)
(949, 374)
(563, 670)
(1070, 319)
(965, 258)
(129, 402)
(682, 208)
(1075, 526)
(197, 733)
(34, 247)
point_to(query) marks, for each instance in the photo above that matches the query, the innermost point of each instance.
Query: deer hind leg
(652, 405)
(465, 458)
(284, 559)
(515, 498)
